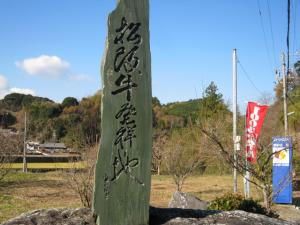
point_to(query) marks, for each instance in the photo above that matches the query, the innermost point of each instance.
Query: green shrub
(226, 202)
(231, 201)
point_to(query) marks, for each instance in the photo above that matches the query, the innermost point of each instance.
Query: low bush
(231, 201)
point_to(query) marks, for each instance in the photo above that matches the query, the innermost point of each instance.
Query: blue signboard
(282, 170)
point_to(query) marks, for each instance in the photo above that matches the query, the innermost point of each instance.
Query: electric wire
(264, 34)
(271, 29)
(248, 77)
(288, 34)
(294, 24)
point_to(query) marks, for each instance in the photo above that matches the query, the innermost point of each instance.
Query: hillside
(15, 102)
(75, 123)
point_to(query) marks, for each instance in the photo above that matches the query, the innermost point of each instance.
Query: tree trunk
(178, 188)
(158, 170)
(267, 198)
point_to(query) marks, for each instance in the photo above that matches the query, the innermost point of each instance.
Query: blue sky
(53, 48)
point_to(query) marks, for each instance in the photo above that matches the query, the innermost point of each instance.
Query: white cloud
(5, 90)
(24, 91)
(80, 77)
(44, 65)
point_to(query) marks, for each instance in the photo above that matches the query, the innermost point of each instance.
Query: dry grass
(77, 165)
(25, 192)
(206, 187)
(22, 193)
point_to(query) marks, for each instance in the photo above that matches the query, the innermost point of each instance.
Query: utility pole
(234, 118)
(24, 149)
(284, 77)
(247, 174)
(247, 181)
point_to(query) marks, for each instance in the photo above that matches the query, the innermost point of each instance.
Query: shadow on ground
(296, 201)
(162, 215)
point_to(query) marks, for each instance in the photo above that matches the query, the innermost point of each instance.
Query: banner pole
(246, 180)
(234, 114)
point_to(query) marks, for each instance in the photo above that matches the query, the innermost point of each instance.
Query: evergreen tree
(69, 101)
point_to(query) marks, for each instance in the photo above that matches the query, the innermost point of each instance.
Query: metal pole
(24, 149)
(247, 186)
(247, 174)
(234, 111)
(284, 95)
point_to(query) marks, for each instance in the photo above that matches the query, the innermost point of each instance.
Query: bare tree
(82, 179)
(158, 149)
(266, 98)
(261, 172)
(185, 152)
(9, 145)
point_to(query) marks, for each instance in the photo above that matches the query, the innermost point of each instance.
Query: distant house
(53, 148)
(8, 132)
(32, 147)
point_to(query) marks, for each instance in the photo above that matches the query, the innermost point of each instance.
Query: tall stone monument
(122, 182)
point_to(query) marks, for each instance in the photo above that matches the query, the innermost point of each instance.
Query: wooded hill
(45, 116)
(77, 124)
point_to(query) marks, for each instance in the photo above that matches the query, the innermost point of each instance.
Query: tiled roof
(53, 145)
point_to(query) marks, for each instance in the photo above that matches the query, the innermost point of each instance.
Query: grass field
(206, 187)
(25, 192)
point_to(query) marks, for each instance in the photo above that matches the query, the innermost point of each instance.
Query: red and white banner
(255, 116)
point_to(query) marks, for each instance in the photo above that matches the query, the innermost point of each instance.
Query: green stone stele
(123, 169)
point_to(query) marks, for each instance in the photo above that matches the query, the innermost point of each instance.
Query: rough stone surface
(158, 216)
(82, 216)
(123, 170)
(186, 201)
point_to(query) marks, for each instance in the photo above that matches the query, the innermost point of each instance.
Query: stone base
(158, 216)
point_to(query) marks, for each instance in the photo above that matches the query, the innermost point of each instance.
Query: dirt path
(290, 212)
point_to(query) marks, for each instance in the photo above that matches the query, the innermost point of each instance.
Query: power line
(248, 77)
(271, 28)
(288, 34)
(297, 5)
(264, 34)
(294, 23)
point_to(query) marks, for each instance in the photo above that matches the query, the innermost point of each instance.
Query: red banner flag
(255, 116)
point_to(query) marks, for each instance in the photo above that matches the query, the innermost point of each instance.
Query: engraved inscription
(126, 62)
(130, 31)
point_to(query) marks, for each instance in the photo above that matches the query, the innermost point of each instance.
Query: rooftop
(53, 145)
